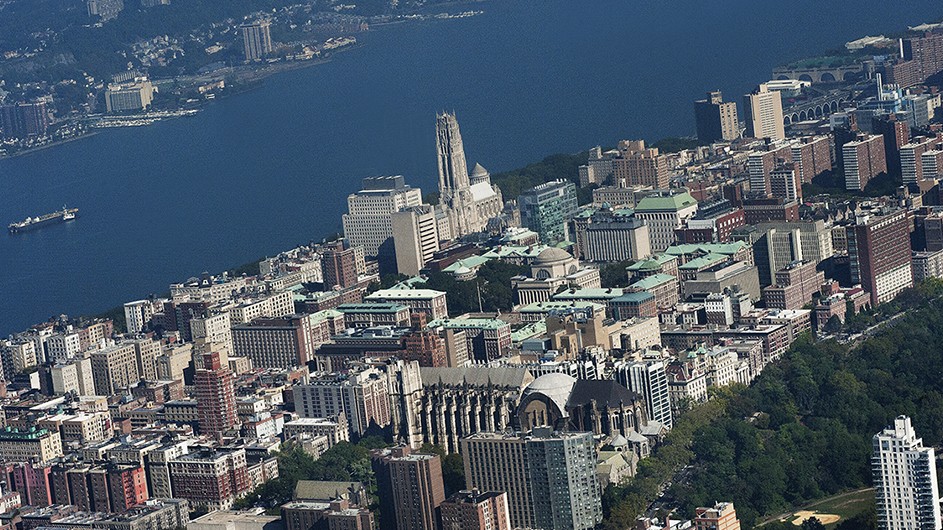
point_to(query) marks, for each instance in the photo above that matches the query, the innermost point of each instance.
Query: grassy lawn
(845, 505)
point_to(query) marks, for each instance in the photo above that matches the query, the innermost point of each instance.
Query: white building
(415, 238)
(905, 479)
(649, 380)
(663, 214)
(369, 218)
(137, 314)
(764, 114)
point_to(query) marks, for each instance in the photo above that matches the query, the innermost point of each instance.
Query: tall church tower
(455, 192)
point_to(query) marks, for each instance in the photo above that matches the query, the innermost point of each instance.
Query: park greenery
(803, 430)
(493, 280)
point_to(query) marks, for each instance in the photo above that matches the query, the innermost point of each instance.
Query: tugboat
(60, 216)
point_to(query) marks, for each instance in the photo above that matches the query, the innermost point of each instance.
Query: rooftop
(658, 203)
(653, 281)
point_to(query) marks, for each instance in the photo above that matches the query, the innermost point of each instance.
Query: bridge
(814, 108)
(822, 74)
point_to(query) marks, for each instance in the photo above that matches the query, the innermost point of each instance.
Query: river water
(262, 171)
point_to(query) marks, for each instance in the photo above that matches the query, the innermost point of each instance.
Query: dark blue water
(265, 170)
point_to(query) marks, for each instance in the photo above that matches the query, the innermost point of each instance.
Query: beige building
(415, 238)
(174, 359)
(269, 305)
(73, 376)
(640, 166)
(427, 301)
(335, 431)
(115, 368)
(764, 114)
(146, 352)
(369, 218)
(212, 334)
(39, 445)
(663, 214)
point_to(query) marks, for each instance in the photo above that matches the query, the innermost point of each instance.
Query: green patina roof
(634, 297)
(468, 323)
(653, 281)
(582, 294)
(651, 264)
(470, 262)
(528, 331)
(704, 261)
(544, 307)
(657, 203)
(371, 308)
(728, 249)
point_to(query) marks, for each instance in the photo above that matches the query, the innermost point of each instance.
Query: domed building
(552, 269)
(603, 407)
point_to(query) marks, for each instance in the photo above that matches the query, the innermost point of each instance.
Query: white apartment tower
(905, 479)
(764, 114)
(415, 238)
(649, 380)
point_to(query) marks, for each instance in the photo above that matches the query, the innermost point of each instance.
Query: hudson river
(271, 168)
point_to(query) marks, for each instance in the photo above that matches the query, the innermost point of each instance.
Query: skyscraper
(338, 265)
(215, 396)
(763, 111)
(863, 159)
(550, 477)
(716, 119)
(546, 208)
(905, 479)
(468, 205)
(415, 238)
(257, 40)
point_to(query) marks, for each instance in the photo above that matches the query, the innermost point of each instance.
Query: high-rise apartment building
(649, 380)
(133, 95)
(926, 52)
(931, 164)
(278, 342)
(880, 254)
(363, 397)
(546, 208)
(411, 486)
(549, 477)
(215, 396)
(210, 479)
(896, 132)
(763, 109)
(864, 159)
(812, 156)
(476, 510)
(911, 158)
(785, 184)
(212, 332)
(369, 218)
(338, 265)
(637, 165)
(115, 368)
(137, 315)
(905, 479)
(415, 238)
(256, 40)
(716, 120)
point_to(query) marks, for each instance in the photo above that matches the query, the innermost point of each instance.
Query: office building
(864, 159)
(256, 40)
(467, 200)
(476, 510)
(546, 208)
(650, 381)
(549, 477)
(215, 397)
(880, 254)
(665, 213)
(369, 218)
(716, 120)
(129, 96)
(763, 111)
(776, 245)
(415, 238)
(637, 165)
(905, 479)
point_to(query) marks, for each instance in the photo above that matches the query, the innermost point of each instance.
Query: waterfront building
(763, 110)
(476, 510)
(215, 397)
(864, 159)
(415, 238)
(665, 213)
(546, 208)
(369, 218)
(549, 477)
(137, 315)
(467, 200)
(256, 40)
(905, 479)
(880, 254)
(133, 95)
(716, 119)
(23, 120)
